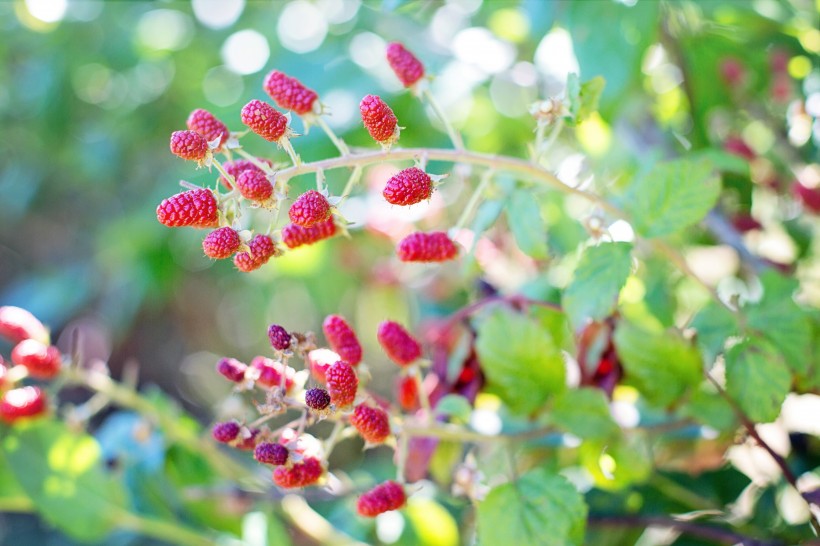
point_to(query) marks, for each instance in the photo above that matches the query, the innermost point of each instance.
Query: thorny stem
(338, 142)
(215, 162)
(284, 142)
(455, 137)
(708, 532)
(355, 176)
(260, 165)
(474, 198)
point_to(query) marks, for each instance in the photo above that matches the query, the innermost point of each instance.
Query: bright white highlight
(217, 13)
(48, 11)
(246, 52)
(301, 27)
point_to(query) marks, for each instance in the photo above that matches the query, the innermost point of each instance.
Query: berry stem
(258, 164)
(355, 176)
(284, 142)
(223, 172)
(473, 202)
(455, 137)
(402, 452)
(331, 440)
(423, 398)
(338, 142)
(542, 146)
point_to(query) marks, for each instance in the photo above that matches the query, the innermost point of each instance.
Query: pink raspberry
(22, 403)
(231, 369)
(189, 145)
(279, 337)
(407, 393)
(372, 423)
(342, 339)
(245, 263)
(295, 236)
(309, 209)
(320, 360)
(406, 66)
(263, 248)
(399, 345)
(270, 373)
(264, 120)
(384, 497)
(408, 187)
(254, 185)
(379, 120)
(342, 384)
(206, 124)
(301, 474)
(426, 247)
(195, 208)
(271, 453)
(17, 324)
(221, 243)
(289, 93)
(42, 361)
(225, 432)
(238, 166)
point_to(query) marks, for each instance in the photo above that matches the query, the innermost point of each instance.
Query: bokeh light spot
(164, 30)
(217, 13)
(301, 27)
(221, 86)
(246, 52)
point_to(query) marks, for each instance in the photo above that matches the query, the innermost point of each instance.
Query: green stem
(454, 136)
(351, 182)
(457, 434)
(338, 142)
(162, 530)
(215, 162)
(673, 490)
(265, 168)
(284, 142)
(474, 198)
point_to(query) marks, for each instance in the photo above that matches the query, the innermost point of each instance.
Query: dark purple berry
(279, 337)
(271, 453)
(317, 399)
(231, 369)
(225, 432)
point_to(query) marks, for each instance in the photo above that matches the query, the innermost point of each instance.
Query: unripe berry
(22, 403)
(254, 185)
(342, 339)
(189, 145)
(17, 324)
(426, 247)
(295, 236)
(372, 423)
(379, 120)
(270, 373)
(225, 432)
(406, 66)
(194, 208)
(279, 337)
(301, 474)
(408, 187)
(42, 361)
(221, 243)
(289, 93)
(271, 453)
(231, 369)
(317, 399)
(384, 497)
(309, 209)
(264, 120)
(238, 166)
(400, 346)
(206, 124)
(342, 384)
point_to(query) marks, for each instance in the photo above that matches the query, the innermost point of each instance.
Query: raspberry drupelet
(264, 120)
(221, 243)
(309, 209)
(209, 126)
(384, 497)
(289, 93)
(189, 145)
(372, 423)
(400, 346)
(295, 236)
(408, 187)
(342, 384)
(342, 339)
(426, 247)
(405, 65)
(194, 208)
(379, 120)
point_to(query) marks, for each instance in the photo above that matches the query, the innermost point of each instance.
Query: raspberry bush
(603, 348)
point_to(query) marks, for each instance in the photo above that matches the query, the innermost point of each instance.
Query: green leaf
(456, 406)
(599, 277)
(780, 320)
(555, 322)
(589, 96)
(527, 225)
(757, 379)
(520, 359)
(539, 508)
(445, 458)
(583, 412)
(714, 324)
(61, 473)
(661, 365)
(671, 196)
(710, 408)
(619, 464)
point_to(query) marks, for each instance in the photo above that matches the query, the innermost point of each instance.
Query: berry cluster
(256, 183)
(33, 356)
(331, 386)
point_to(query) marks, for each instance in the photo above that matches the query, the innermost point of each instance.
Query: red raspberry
(301, 474)
(263, 248)
(206, 124)
(317, 399)
(21, 403)
(270, 373)
(384, 497)
(295, 236)
(245, 263)
(406, 66)
(195, 208)
(289, 93)
(17, 324)
(408, 187)
(238, 166)
(426, 247)
(225, 432)
(254, 185)
(231, 369)
(810, 197)
(279, 337)
(271, 453)
(408, 393)
(247, 443)
(342, 339)
(43, 361)
(379, 120)
(342, 384)
(372, 423)
(309, 209)
(320, 360)
(399, 345)
(264, 120)
(189, 145)
(221, 243)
